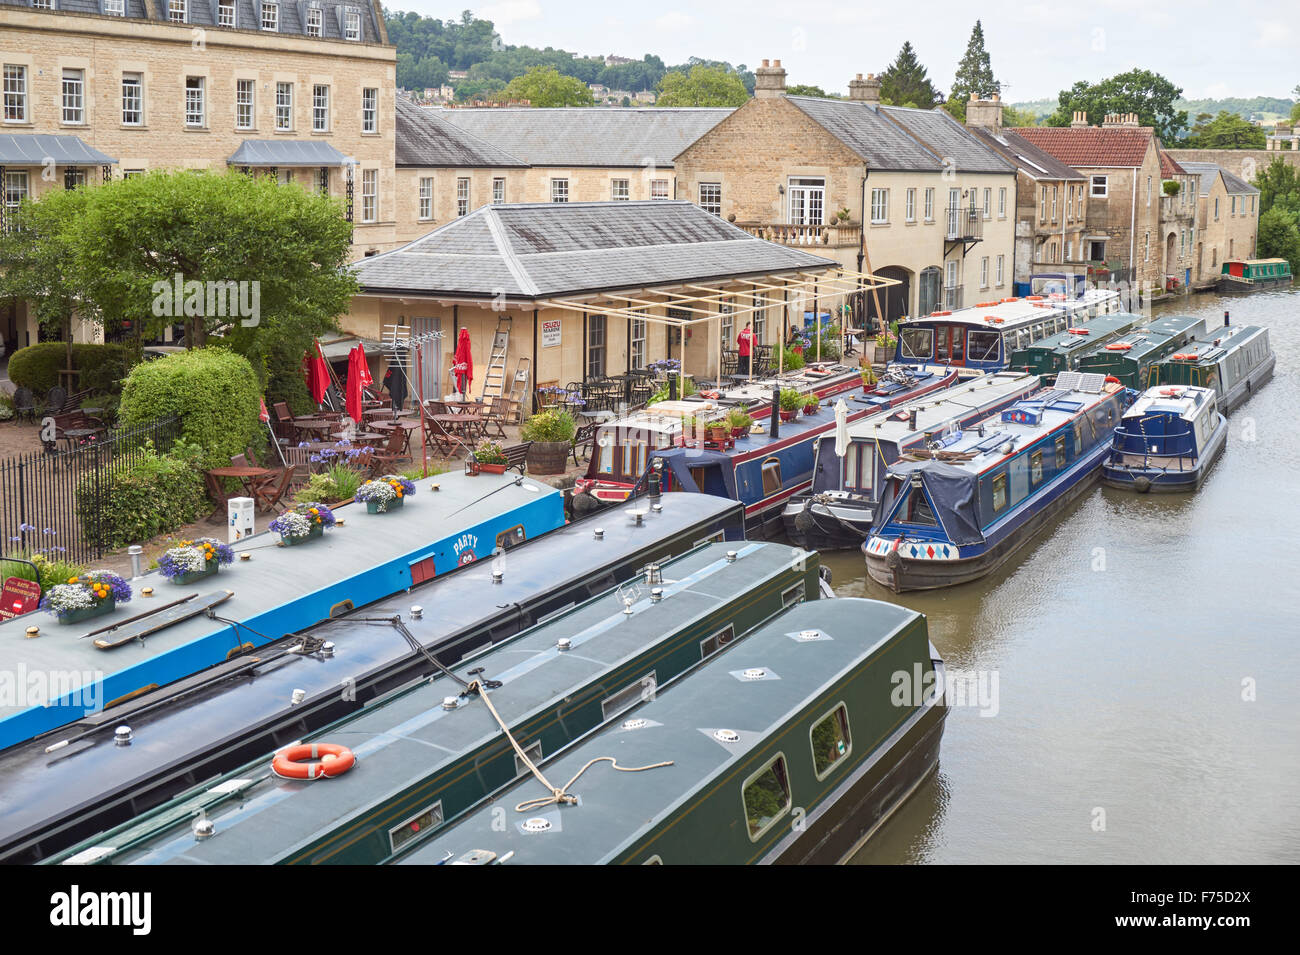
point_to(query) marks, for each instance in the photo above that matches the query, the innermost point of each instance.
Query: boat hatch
(1023, 413)
(1067, 406)
(991, 442)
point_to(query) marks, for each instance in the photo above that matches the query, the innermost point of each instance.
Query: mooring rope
(561, 794)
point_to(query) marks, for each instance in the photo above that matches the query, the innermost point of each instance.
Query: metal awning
(286, 152)
(38, 149)
(338, 348)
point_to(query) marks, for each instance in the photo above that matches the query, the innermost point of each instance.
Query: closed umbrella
(463, 363)
(841, 435)
(357, 374)
(318, 376)
(395, 379)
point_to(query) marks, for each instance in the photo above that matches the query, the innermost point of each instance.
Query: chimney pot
(859, 76)
(776, 64)
(765, 63)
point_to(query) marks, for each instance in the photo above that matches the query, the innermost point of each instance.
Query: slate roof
(536, 250)
(424, 138)
(35, 149)
(587, 136)
(1027, 157)
(951, 140)
(286, 152)
(1092, 146)
(292, 18)
(1208, 171)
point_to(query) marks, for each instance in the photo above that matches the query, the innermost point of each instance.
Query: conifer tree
(974, 75)
(904, 82)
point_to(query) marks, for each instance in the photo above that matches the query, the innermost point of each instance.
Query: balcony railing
(832, 235)
(964, 223)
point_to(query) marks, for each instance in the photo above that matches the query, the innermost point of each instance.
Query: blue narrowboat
(1234, 360)
(983, 338)
(1167, 441)
(952, 515)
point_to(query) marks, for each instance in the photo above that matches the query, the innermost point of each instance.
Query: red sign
(19, 596)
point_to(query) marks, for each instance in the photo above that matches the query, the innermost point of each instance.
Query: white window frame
(929, 204)
(806, 201)
(1002, 202)
(15, 93)
(879, 206)
(21, 186)
(369, 195)
(284, 107)
(315, 25)
(462, 196)
(426, 198)
(711, 197)
(498, 190)
(620, 190)
(559, 190)
(320, 108)
(1099, 187)
(72, 87)
(227, 13)
(245, 103)
(352, 25)
(909, 206)
(370, 109)
(659, 189)
(115, 8)
(178, 11)
(202, 100)
(637, 343)
(988, 202)
(133, 83)
(269, 17)
(984, 272)
(1000, 272)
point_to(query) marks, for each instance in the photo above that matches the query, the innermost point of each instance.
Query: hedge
(213, 391)
(155, 494)
(285, 381)
(102, 367)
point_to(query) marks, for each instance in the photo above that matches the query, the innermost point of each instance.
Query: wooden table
(323, 425)
(405, 424)
(356, 436)
(246, 475)
(463, 429)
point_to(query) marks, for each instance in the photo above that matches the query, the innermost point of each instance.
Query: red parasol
(357, 374)
(318, 376)
(463, 363)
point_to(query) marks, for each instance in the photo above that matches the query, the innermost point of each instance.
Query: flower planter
(547, 457)
(317, 530)
(789, 415)
(88, 613)
(211, 567)
(739, 432)
(719, 434)
(810, 409)
(480, 468)
(378, 507)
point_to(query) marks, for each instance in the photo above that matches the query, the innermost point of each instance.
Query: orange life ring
(1012, 299)
(334, 760)
(1112, 380)
(1186, 357)
(1079, 331)
(1033, 298)
(1119, 346)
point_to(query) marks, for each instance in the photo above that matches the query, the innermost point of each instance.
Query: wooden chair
(397, 449)
(299, 460)
(434, 406)
(517, 455)
(267, 494)
(444, 442)
(284, 426)
(494, 418)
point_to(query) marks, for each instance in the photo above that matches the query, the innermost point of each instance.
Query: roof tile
(1091, 146)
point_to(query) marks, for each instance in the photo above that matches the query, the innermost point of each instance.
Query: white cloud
(674, 20)
(1273, 34)
(510, 11)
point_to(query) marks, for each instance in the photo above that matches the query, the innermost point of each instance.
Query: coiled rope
(561, 794)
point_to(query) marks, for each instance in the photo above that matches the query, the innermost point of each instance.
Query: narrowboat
(276, 590)
(983, 338)
(1234, 360)
(953, 515)
(64, 786)
(1127, 358)
(1167, 441)
(1254, 273)
(838, 509)
(1064, 350)
(794, 746)
(764, 470)
(414, 762)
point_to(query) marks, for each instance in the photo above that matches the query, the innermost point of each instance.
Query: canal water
(1146, 652)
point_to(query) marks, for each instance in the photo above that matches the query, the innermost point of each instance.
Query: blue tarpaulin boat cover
(952, 491)
(680, 461)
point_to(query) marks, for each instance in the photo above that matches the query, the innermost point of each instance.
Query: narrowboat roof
(753, 689)
(937, 409)
(1070, 340)
(1015, 312)
(41, 785)
(364, 560)
(1142, 341)
(1214, 344)
(1180, 401)
(405, 738)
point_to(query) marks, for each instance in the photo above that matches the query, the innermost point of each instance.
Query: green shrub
(152, 495)
(685, 388)
(48, 572)
(285, 381)
(336, 483)
(553, 424)
(791, 399)
(213, 391)
(102, 367)
(792, 360)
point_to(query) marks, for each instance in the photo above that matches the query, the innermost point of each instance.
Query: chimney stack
(1080, 120)
(865, 91)
(984, 113)
(769, 80)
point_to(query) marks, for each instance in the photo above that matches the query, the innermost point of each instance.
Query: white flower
(67, 597)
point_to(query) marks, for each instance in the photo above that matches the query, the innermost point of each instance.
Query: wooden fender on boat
(334, 761)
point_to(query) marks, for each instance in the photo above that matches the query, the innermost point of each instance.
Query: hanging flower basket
(87, 595)
(303, 523)
(193, 560)
(384, 494)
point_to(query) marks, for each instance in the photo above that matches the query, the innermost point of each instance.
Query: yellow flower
(72, 580)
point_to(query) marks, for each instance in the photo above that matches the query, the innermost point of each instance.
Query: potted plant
(811, 403)
(87, 595)
(551, 432)
(305, 521)
(869, 379)
(488, 458)
(883, 346)
(718, 430)
(385, 493)
(739, 421)
(790, 400)
(193, 560)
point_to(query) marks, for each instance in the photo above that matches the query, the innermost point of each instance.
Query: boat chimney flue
(775, 429)
(656, 594)
(135, 550)
(911, 420)
(1226, 320)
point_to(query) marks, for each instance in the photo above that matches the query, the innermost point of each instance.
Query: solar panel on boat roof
(1087, 382)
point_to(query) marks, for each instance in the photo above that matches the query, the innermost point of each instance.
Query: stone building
(1051, 202)
(94, 89)
(1227, 220)
(937, 204)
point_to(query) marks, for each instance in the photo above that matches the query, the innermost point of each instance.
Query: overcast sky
(1038, 48)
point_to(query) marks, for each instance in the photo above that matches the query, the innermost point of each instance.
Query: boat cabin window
(605, 462)
(982, 346)
(634, 459)
(512, 537)
(914, 343)
(1078, 440)
(771, 477)
(950, 343)
(792, 596)
(917, 510)
(830, 740)
(1036, 469)
(415, 826)
(1060, 452)
(629, 696)
(999, 492)
(534, 753)
(716, 642)
(766, 797)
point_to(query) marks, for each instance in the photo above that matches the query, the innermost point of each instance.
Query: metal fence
(55, 503)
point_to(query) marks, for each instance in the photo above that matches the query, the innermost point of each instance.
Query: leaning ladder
(494, 378)
(519, 387)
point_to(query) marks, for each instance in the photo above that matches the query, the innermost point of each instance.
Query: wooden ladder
(494, 379)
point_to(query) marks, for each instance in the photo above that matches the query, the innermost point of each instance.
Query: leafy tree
(1225, 131)
(803, 89)
(1279, 187)
(546, 87)
(1018, 117)
(1279, 237)
(1148, 94)
(703, 86)
(904, 82)
(974, 75)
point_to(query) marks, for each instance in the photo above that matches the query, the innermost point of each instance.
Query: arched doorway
(894, 300)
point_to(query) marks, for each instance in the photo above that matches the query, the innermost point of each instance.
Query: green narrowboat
(1127, 358)
(1234, 360)
(1063, 351)
(793, 746)
(433, 749)
(1254, 273)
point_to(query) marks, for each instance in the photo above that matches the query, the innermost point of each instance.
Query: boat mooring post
(775, 430)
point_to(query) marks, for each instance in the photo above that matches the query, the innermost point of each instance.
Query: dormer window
(271, 16)
(226, 13)
(115, 8)
(42, 4)
(314, 21)
(352, 25)
(176, 11)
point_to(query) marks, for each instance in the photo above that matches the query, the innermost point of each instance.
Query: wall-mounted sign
(550, 333)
